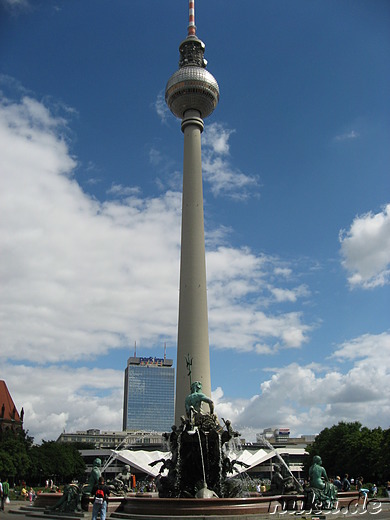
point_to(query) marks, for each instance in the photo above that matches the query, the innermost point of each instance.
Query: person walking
(101, 492)
(5, 494)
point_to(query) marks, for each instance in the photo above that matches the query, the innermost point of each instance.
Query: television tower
(192, 94)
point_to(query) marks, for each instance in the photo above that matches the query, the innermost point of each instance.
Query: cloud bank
(312, 397)
(82, 276)
(365, 249)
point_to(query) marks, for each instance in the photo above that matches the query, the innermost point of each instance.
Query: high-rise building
(149, 394)
(192, 94)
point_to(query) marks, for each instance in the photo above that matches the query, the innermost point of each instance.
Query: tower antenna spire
(191, 24)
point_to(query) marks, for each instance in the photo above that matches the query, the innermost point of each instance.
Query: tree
(353, 449)
(7, 466)
(14, 454)
(61, 462)
(385, 468)
(337, 447)
(20, 460)
(370, 454)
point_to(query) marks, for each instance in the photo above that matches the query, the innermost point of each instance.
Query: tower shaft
(193, 339)
(192, 93)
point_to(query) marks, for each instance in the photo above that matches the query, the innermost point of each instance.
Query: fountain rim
(214, 507)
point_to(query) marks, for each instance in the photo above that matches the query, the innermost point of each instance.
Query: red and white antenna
(191, 25)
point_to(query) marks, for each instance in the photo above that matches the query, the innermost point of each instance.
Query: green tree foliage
(20, 460)
(14, 454)
(353, 449)
(386, 455)
(62, 462)
(7, 466)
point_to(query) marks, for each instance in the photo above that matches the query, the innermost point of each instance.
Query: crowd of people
(341, 484)
(27, 494)
(347, 484)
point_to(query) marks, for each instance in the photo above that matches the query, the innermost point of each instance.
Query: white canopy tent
(250, 459)
(140, 459)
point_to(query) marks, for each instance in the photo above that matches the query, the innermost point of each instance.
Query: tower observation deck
(192, 94)
(192, 87)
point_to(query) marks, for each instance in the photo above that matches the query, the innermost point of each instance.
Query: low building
(279, 437)
(115, 449)
(113, 440)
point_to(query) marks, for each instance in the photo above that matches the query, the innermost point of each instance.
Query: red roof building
(9, 416)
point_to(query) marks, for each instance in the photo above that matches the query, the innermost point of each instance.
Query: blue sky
(297, 212)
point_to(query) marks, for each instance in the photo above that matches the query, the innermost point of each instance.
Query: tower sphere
(192, 87)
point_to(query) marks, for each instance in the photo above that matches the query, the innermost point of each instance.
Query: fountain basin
(49, 500)
(197, 507)
(250, 508)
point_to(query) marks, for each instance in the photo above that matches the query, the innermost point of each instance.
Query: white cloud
(161, 107)
(289, 295)
(68, 398)
(15, 4)
(155, 156)
(66, 258)
(365, 249)
(216, 137)
(308, 398)
(224, 179)
(237, 294)
(123, 191)
(365, 347)
(283, 271)
(347, 136)
(228, 409)
(217, 169)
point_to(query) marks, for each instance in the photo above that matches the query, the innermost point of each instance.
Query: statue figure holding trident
(194, 400)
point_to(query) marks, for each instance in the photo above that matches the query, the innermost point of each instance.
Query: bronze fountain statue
(321, 493)
(198, 466)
